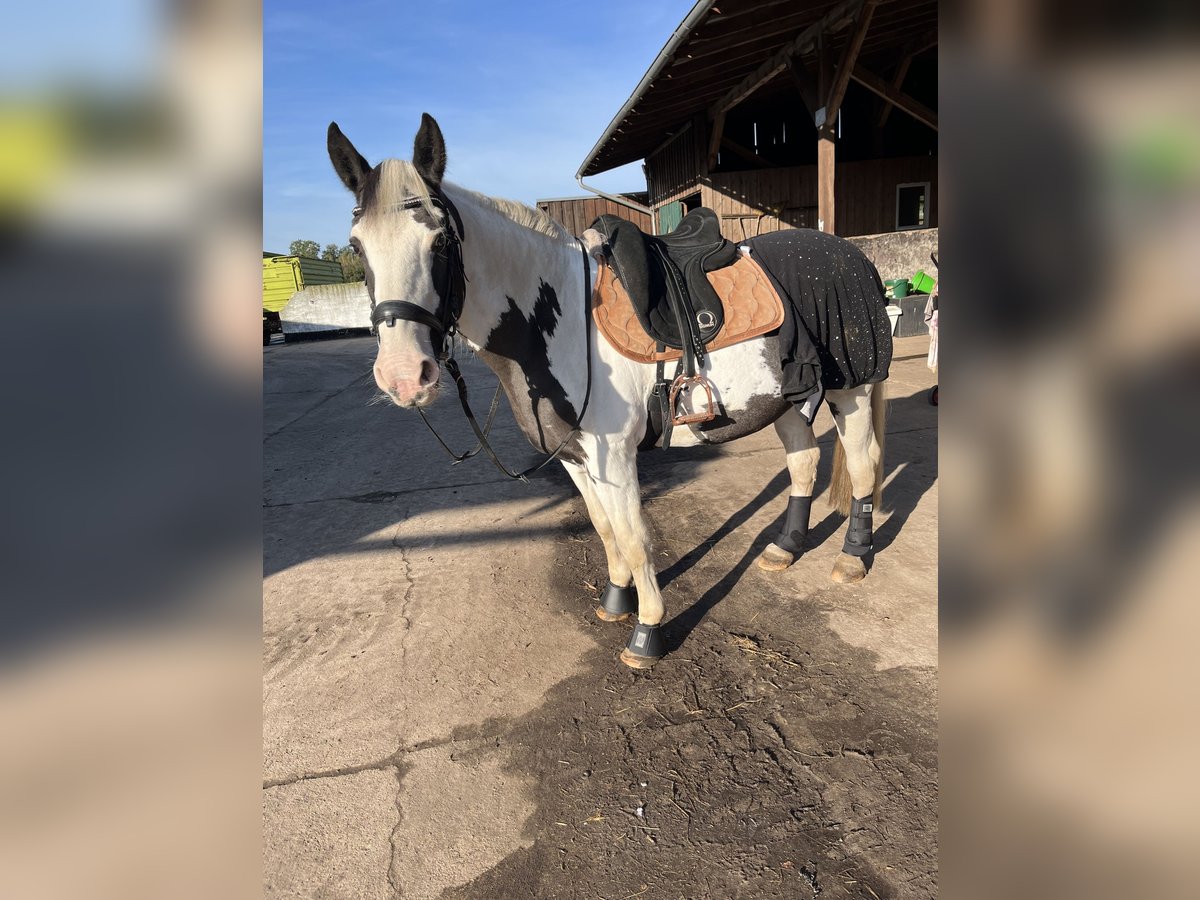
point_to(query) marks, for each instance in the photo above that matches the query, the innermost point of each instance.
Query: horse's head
(408, 240)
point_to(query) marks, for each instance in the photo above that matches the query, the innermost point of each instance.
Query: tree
(310, 249)
(331, 252)
(352, 264)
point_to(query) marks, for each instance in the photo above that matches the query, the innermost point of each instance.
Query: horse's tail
(841, 492)
(879, 433)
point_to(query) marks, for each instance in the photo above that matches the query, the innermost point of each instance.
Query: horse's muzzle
(409, 386)
(421, 398)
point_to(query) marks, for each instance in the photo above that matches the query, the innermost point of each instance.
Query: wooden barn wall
(765, 200)
(578, 213)
(674, 172)
(865, 193)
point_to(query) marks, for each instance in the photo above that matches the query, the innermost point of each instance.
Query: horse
(517, 287)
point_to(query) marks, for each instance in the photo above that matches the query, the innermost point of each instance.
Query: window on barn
(912, 206)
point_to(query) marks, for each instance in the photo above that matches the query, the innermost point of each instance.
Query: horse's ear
(429, 151)
(349, 164)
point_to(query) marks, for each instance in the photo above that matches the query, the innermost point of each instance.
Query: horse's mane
(399, 181)
(527, 216)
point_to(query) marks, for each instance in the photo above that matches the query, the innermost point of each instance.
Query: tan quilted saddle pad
(752, 308)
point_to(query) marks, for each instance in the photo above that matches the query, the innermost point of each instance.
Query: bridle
(452, 291)
(451, 287)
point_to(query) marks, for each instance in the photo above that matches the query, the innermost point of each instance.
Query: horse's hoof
(775, 559)
(645, 647)
(605, 616)
(848, 569)
(617, 603)
(638, 662)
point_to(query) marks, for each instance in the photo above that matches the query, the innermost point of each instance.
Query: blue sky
(521, 90)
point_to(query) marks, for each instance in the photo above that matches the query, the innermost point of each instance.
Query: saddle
(665, 276)
(676, 297)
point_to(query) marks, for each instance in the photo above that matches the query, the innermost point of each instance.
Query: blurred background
(130, 230)
(130, 223)
(1069, 436)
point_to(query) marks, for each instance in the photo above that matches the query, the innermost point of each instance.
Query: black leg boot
(617, 603)
(860, 534)
(795, 526)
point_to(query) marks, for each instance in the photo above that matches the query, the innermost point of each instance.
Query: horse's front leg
(619, 600)
(615, 482)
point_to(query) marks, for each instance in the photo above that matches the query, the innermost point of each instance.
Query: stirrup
(682, 383)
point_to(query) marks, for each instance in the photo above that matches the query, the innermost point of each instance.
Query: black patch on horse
(369, 192)
(519, 340)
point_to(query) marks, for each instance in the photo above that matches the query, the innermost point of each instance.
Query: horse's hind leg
(854, 485)
(800, 445)
(620, 599)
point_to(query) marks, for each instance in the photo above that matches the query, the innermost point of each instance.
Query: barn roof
(723, 47)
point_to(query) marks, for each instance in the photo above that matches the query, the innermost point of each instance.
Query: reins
(444, 327)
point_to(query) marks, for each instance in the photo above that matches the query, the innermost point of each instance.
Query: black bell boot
(617, 603)
(645, 647)
(859, 534)
(795, 526)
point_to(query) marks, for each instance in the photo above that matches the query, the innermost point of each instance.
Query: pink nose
(404, 385)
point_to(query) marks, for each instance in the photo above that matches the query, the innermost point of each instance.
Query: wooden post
(826, 132)
(825, 178)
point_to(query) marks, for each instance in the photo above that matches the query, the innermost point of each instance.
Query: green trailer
(284, 275)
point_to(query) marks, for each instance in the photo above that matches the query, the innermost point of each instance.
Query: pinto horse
(517, 288)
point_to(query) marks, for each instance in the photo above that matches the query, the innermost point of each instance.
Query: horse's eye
(356, 212)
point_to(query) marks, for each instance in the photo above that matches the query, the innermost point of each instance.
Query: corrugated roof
(720, 44)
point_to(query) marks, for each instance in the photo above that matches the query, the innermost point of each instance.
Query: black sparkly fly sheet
(836, 332)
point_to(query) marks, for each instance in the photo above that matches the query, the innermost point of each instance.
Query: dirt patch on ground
(743, 765)
(443, 714)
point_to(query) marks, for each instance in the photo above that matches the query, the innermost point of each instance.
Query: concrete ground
(444, 716)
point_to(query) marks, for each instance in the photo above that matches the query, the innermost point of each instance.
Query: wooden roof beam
(897, 84)
(779, 61)
(903, 102)
(757, 11)
(745, 153)
(927, 41)
(714, 144)
(841, 78)
(805, 84)
(911, 51)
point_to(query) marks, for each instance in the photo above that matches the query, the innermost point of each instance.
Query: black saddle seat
(665, 276)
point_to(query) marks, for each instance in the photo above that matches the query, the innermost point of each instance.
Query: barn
(792, 114)
(577, 213)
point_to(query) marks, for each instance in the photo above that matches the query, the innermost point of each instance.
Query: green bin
(922, 283)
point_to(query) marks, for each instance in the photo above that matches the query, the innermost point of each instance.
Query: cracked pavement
(443, 716)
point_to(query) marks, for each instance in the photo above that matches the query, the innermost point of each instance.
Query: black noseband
(390, 310)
